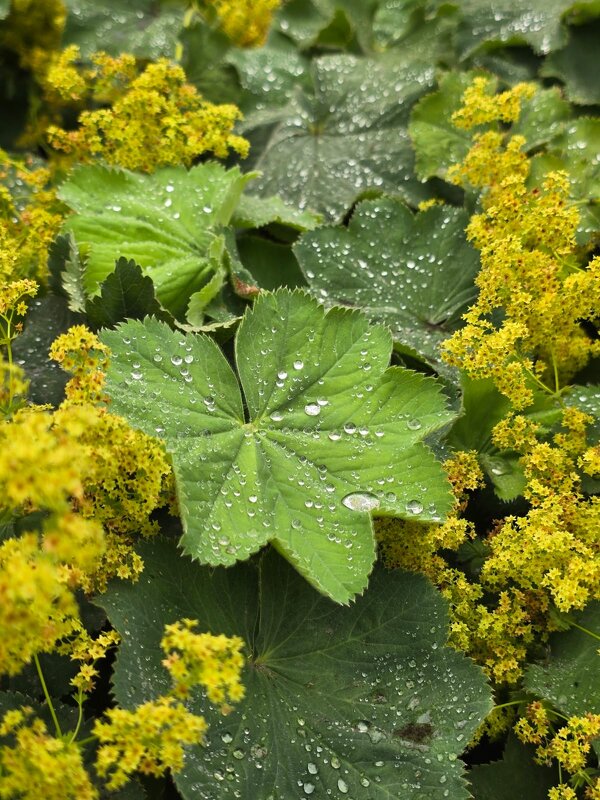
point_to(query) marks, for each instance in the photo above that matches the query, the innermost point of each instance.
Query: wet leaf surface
(363, 702)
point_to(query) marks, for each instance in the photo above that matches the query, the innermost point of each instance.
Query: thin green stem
(555, 370)
(511, 703)
(80, 715)
(585, 630)
(38, 666)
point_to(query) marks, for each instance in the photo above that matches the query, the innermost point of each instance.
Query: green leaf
(412, 272)
(271, 265)
(347, 138)
(269, 75)
(482, 408)
(143, 27)
(506, 22)
(570, 676)
(322, 22)
(46, 319)
(415, 27)
(438, 144)
(575, 65)
(516, 775)
(587, 399)
(4, 8)
(329, 434)
(125, 294)
(363, 702)
(168, 223)
(257, 212)
(203, 59)
(67, 272)
(576, 152)
(543, 118)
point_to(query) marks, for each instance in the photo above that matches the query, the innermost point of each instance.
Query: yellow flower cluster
(528, 267)
(27, 227)
(150, 739)
(38, 765)
(154, 118)
(202, 659)
(88, 651)
(84, 357)
(554, 549)
(569, 745)
(480, 107)
(245, 22)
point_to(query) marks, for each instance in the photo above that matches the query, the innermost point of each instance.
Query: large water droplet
(312, 409)
(414, 424)
(361, 501)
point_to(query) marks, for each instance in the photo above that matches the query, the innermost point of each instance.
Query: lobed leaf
(366, 702)
(323, 434)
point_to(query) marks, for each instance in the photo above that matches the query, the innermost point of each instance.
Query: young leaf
(415, 273)
(168, 223)
(125, 294)
(324, 435)
(348, 137)
(570, 676)
(363, 702)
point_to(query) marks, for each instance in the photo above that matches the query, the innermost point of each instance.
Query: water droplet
(312, 768)
(239, 754)
(312, 409)
(298, 364)
(342, 786)
(413, 424)
(308, 788)
(361, 501)
(226, 738)
(414, 507)
(176, 361)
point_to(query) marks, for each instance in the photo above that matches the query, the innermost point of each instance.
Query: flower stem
(38, 666)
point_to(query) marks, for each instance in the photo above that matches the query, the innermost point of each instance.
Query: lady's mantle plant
(255, 428)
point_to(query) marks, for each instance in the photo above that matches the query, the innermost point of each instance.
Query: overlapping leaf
(347, 138)
(415, 273)
(324, 434)
(364, 702)
(168, 223)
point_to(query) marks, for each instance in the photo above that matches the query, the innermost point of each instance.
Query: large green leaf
(575, 65)
(570, 676)
(362, 702)
(515, 776)
(168, 223)
(325, 434)
(348, 138)
(143, 27)
(412, 272)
